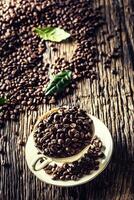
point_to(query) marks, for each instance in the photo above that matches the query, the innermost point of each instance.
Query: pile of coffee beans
(64, 133)
(77, 169)
(22, 71)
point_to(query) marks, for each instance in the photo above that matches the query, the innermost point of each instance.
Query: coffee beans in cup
(64, 133)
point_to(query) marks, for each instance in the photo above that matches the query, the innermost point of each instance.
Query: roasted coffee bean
(21, 142)
(67, 177)
(49, 171)
(55, 49)
(82, 135)
(65, 120)
(61, 177)
(5, 164)
(16, 133)
(57, 126)
(77, 135)
(60, 141)
(60, 130)
(68, 140)
(4, 138)
(96, 167)
(73, 125)
(101, 154)
(65, 165)
(114, 72)
(53, 141)
(55, 177)
(2, 151)
(57, 117)
(75, 139)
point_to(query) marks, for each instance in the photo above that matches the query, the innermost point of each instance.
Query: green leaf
(59, 82)
(2, 101)
(53, 34)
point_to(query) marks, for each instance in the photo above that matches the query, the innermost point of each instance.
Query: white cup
(41, 160)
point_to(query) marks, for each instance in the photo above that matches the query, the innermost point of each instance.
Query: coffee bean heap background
(64, 133)
(77, 169)
(22, 71)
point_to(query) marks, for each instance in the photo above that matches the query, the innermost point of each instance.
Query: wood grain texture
(113, 103)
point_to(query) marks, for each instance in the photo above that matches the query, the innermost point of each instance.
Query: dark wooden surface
(114, 105)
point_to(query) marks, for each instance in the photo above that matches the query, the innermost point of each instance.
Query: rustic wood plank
(113, 104)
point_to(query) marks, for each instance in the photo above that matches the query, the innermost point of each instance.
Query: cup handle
(38, 166)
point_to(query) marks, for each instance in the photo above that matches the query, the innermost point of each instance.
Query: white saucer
(104, 135)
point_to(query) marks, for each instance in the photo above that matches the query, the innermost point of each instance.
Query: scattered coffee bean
(5, 164)
(16, 133)
(77, 169)
(23, 74)
(2, 151)
(4, 138)
(21, 142)
(52, 100)
(55, 49)
(110, 36)
(114, 72)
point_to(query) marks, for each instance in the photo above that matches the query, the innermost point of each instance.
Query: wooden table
(110, 98)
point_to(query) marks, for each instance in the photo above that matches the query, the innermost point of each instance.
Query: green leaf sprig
(59, 83)
(2, 101)
(54, 34)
